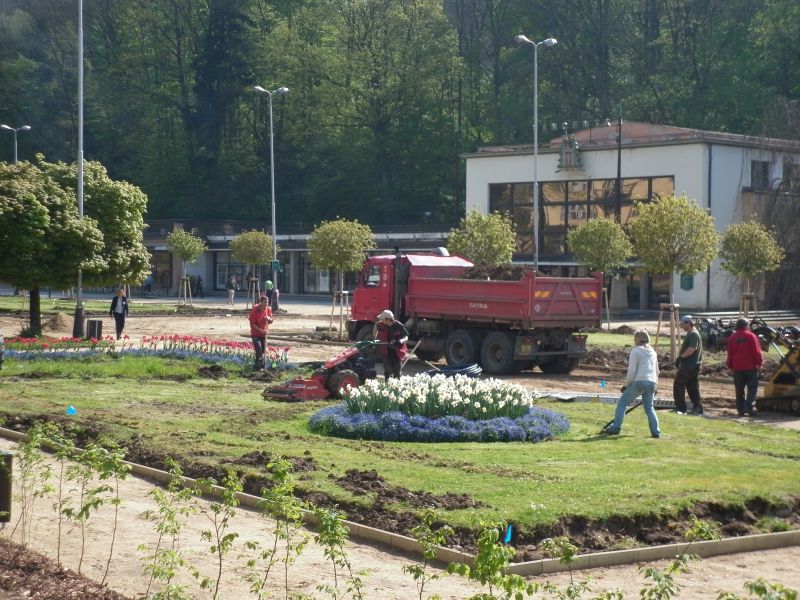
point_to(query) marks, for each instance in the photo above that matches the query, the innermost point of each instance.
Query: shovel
(633, 406)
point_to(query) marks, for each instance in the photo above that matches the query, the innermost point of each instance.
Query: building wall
(711, 174)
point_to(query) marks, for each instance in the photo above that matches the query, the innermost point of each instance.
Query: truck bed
(531, 302)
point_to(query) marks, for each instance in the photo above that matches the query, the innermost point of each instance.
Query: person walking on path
(641, 380)
(268, 289)
(745, 360)
(198, 287)
(260, 318)
(393, 335)
(119, 310)
(688, 363)
(231, 285)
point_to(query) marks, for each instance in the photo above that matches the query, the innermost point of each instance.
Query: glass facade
(567, 204)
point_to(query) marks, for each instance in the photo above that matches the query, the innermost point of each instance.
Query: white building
(724, 173)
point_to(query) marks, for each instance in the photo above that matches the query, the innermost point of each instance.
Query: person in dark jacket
(745, 360)
(688, 364)
(394, 336)
(119, 310)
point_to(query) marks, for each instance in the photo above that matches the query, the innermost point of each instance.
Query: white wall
(687, 163)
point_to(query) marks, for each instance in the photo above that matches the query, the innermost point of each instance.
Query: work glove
(678, 363)
(395, 343)
(623, 388)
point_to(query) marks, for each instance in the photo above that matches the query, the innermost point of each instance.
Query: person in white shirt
(641, 381)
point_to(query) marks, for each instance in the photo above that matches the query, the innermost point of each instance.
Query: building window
(759, 174)
(564, 205)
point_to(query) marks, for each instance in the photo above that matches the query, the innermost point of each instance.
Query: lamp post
(78, 324)
(619, 164)
(14, 131)
(521, 39)
(280, 91)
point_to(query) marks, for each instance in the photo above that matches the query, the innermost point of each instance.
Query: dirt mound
(507, 272)
(42, 578)
(58, 322)
(624, 329)
(212, 372)
(260, 459)
(363, 482)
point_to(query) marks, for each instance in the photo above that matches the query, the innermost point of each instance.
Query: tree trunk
(36, 312)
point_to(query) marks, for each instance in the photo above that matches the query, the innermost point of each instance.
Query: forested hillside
(384, 94)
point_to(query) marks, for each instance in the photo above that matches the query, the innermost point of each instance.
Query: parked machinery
(715, 332)
(782, 392)
(351, 367)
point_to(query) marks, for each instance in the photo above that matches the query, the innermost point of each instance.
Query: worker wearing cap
(260, 318)
(688, 363)
(745, 360)
(393, 335)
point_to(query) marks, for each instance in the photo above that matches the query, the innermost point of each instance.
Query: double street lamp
(280, 91)
(14, 131)
(521, 39)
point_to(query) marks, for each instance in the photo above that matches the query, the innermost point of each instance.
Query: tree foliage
(186, 246)
(600, 245)
(43, 242)
(484, 239)
(673, 234)
(749, 249)
(118, 208)
(339, 245)
(252, 247)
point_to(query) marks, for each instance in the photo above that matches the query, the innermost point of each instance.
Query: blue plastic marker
(507, 538)
(603, 384)
(71, 410)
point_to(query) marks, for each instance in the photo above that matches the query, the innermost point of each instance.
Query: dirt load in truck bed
(506, 272)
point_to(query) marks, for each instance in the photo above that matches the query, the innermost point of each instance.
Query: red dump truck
(505, 326)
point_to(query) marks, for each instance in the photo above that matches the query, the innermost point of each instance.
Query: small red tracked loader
(330, 379)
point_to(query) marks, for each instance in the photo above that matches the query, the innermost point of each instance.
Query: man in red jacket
(260, 318)
(744, 359)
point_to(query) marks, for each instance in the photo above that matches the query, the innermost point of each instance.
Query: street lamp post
(78, 323)
(280, 91)
(14, 131)
(521, 39)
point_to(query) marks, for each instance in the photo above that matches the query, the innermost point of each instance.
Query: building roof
(643, 134)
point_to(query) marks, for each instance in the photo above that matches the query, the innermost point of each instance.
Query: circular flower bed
(440, 409)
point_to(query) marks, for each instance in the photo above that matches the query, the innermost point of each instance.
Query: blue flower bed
(536, 425)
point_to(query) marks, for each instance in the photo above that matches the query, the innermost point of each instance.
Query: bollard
(94, 329)
(6, 464)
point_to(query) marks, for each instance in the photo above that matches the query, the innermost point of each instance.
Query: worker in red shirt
(260, 318)
(393, 335)
(745, 360)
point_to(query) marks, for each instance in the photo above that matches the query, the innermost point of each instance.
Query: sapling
(85, 468)
(332, 536)
(664, 585)
(219, 515)
(763, 589)
(113, 465)
(278, 502)
(491, 566)
(35, 474)
(429, 538)
(64, 449)
(163, 563)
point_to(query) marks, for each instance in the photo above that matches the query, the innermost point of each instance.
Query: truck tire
(365, 333)
(338, 382)
(461, 348)
(497, 353)
(561, 364)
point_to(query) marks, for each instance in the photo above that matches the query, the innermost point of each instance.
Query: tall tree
(43, 242)
(484, 239)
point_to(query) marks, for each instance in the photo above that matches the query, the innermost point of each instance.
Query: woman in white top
(641, 381)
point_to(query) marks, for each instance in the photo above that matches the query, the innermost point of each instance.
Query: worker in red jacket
(393, 335)
(260, 318)
(745, 360)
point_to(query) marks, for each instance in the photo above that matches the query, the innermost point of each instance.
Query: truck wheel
(365, 333)
(497, 353)
(461, 348)
(562, 364)
(338, 382)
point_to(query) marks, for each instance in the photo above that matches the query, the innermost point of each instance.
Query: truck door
(374, 291)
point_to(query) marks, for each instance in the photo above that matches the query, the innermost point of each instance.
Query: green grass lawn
(218, 421)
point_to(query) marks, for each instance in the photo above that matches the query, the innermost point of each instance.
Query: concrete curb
(747, 543)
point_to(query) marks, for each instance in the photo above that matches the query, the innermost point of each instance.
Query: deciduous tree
(749, 249)
(484, 239)
(186, 246)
